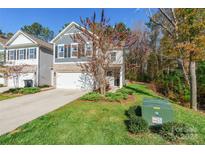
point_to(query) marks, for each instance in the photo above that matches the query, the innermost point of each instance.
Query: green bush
(26, 90)
(117, 96)
(173, 131)
(134, 111)
(92, 96)
(125, 91)
(137, 125)
(29, 90)
(13, 90)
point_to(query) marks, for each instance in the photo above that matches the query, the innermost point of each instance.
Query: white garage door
(73, 81)
(14, 81)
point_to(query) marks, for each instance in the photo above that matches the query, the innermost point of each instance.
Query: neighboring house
(3, 41)
(68, 74)
(32, 57)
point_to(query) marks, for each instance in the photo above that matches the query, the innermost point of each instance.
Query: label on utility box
(156, 120)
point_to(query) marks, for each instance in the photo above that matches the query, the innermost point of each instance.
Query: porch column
(122, 76)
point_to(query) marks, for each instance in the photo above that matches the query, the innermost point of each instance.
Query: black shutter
(17, 54)
(8, 54)
(68, 50)
(56, 51)
(35, 53)
(65, 51)
(24, 53)
(27, 53)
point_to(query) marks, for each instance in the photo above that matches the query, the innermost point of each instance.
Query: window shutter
(80, 50)
(27, 53)
(35, 53)
(8, 55)
(69, 50)
(56, 51)
(17, 54)
(24, 53)
(83, 50)
(65, 51)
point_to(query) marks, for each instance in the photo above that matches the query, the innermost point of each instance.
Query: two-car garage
(73, 81)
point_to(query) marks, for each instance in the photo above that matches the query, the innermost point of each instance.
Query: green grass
(83, 122)
(15, 92)
(4, 96)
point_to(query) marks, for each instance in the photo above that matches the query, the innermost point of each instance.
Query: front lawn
(99, 122)
(5, 96)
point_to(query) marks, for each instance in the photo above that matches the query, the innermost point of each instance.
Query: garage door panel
(14, 81)
(73, 81)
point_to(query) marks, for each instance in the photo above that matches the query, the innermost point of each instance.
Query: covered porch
(115, 76)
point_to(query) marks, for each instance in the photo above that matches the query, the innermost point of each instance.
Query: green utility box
(157, 111)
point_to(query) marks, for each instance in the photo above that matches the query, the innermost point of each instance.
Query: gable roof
(34, 39)
(66, 28)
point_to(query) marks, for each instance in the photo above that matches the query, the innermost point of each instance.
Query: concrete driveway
(18, 111)
(3, 89)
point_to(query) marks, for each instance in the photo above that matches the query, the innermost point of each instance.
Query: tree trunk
(193, 85)
(102, 80)
(181, 65)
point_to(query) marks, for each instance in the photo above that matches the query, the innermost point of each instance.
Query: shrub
(126, 91)
(26, 90)
(172, 131)
(117, 96)
(29, 90)
(134, 111)
(13, 90)
(92, 96)
(1, 85)
(137, 125)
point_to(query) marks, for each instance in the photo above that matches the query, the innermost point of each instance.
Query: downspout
(38, 67)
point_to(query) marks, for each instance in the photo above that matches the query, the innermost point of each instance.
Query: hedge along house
(68, 54)
(31, 57)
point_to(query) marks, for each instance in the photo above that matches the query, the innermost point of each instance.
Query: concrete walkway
(18, 111)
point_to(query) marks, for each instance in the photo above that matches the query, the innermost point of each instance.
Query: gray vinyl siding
(1, 47)
(67, 39)
(45, 65)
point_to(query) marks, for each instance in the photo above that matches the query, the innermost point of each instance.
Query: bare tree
(13, 71)
(104, 39)
(138, 51)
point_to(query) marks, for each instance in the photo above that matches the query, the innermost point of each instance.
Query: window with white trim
(11, 54)
(32, 53)
(61, 51)
(22, 54)
(74, 50)
(88, 49)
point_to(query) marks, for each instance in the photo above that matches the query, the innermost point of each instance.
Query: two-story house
(33, 58)
(3, 41)
(68, 74)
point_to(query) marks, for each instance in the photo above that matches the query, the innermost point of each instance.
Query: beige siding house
(35, 58)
